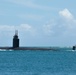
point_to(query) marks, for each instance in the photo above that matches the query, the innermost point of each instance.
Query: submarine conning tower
(16, 40)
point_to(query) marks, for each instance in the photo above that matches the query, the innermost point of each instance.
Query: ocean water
(38, 62)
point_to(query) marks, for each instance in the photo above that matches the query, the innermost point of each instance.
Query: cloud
(7, 32)
(57, 31)
(61, 31)
(70, 21)
(30, 4)
(25, 28)
(48, 28)
(66, 14)
(64, 26)
(54, 28)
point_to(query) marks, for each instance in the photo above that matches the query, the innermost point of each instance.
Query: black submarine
(74, 48)
(16, 46)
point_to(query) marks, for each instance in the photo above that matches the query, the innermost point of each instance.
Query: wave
(5, 50)
(31, 73)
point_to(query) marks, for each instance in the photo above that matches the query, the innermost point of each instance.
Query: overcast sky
(39, 22)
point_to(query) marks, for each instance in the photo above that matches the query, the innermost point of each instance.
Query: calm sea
(38, 62)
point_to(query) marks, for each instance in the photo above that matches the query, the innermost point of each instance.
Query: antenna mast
(16, 32)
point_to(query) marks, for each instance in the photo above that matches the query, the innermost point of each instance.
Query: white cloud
(61, 30)
(62, 27)
(22, 28)
(7, 32)
(66, 14)
(54, 28)
(70, 21)
(48, 28)
(30, 4)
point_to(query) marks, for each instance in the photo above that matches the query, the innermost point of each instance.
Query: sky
(39, 22)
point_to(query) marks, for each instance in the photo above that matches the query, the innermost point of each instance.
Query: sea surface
(38, 62)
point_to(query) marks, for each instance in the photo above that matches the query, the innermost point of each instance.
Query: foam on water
(3, 50)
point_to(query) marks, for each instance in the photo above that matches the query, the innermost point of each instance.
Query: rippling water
(38, 62)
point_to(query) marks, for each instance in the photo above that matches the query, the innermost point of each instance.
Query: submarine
(74, 47)
(16, 42)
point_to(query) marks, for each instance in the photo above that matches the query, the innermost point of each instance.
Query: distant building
(15, 40)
